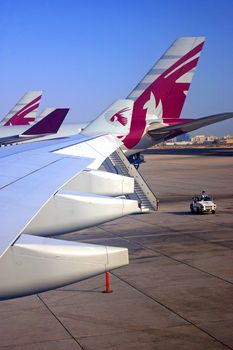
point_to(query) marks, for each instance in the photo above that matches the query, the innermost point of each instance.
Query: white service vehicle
(203, 204)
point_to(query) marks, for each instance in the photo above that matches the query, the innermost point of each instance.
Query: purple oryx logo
(118, 117)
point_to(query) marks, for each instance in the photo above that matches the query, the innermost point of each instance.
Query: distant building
(198, 139)
(228, 139)
(204, 139)
(183, 143)
(212, 138)
(169, 143)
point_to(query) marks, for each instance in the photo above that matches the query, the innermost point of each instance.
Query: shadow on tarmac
(223, 152)
(80, 290)
(181, 213)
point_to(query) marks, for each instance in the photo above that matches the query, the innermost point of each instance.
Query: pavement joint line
(150, 297)
(186, 234)
(210, 242)
(113, 333)
(143, 257)
(142, 330)
(165, 234)
(174, 259)
(181, 234)
(175, 230)
(31, 343)
(171, 310)
(55, 316)
(184, 263)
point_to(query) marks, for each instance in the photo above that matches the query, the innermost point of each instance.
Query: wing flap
(34, 264)
(22, 199)
(39, 174)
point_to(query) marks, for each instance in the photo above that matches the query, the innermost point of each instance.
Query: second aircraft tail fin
(116, 120)
(50, 124)
(24, 112)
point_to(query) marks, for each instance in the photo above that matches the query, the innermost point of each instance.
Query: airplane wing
(168, 132)
(29, 177)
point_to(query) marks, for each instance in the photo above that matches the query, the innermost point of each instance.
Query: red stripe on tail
(165, 89)
(19, 117)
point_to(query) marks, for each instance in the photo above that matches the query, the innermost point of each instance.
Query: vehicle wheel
(213, 211)
(198, 210)
(191, 208)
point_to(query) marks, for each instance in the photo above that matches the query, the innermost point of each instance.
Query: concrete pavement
(176, 293)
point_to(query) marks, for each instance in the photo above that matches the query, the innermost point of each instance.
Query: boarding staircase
(119, 164)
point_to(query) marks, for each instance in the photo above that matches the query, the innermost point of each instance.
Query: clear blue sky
(87, 54)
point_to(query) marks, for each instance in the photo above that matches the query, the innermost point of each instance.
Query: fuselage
(66, 130)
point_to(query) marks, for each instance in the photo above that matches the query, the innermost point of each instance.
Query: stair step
(120, 164)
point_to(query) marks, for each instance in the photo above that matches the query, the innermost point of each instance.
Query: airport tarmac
(176, 293)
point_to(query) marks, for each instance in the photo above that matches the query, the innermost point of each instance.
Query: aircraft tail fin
(49, 124)
(45, 112)
(161, 94)
(115, 120)
(24, 112)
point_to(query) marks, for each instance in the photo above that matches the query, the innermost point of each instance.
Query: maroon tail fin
(49, 124)
(160, 96)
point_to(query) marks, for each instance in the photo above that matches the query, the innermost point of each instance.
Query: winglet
(49, 124)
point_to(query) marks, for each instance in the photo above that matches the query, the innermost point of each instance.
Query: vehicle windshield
(204, 197)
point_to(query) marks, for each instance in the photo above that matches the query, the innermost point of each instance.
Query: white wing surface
(28, 179)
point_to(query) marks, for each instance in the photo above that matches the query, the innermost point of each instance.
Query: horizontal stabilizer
(168, 132)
